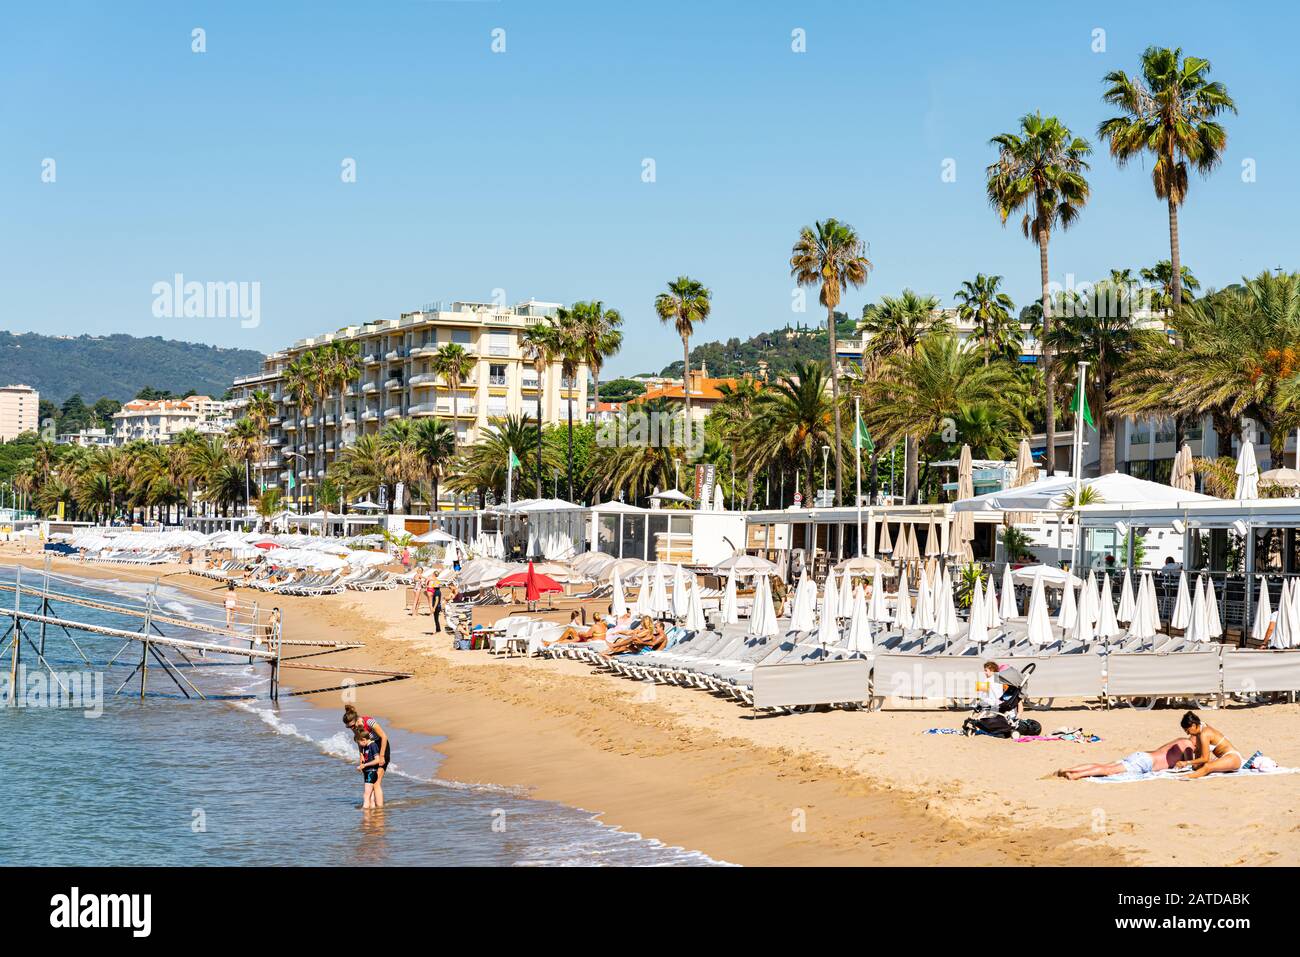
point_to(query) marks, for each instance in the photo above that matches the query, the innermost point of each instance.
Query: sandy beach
(837, 787)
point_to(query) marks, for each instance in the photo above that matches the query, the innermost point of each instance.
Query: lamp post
(826, 451)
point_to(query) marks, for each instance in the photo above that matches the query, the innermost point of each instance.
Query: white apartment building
(160, 420)
(397, 381)
(19, 411)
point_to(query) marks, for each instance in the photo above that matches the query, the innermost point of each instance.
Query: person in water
(369, 766)
(1139, 762)
(1214, 752)
(356, 722)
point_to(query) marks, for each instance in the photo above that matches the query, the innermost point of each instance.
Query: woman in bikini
(647, 635)
(1214, 752)
(363, 722)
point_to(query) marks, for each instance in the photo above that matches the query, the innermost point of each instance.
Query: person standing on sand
(231, 604)
(434, 588)
(356, 722)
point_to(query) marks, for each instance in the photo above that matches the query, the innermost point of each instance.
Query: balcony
(424, 352)
(498, 380)
(424, 408)
(291, 426)
(370, 417)
(350, 418)
(528, 384)
(372, 358)
(274, 420)
(275, 442)
(370, 388)
(424, 380)
(395, 355)
(393, 384)
(394, 413)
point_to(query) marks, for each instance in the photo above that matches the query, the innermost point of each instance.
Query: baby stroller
(1000, 721)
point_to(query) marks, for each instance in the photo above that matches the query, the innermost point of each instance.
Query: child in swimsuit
(368, 746)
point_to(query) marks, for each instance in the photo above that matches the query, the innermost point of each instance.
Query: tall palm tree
(455, 365)
(733, 416)
(1171, 111)
(344, 369)
(637, 468)
(362, 468)
(793, 418)
(299, 385)
(538, 344)
(980, 302)
(243, 442)
(831, 255)
(896, 326)
(259, 411)
(1040, 170)
(598, 335)
(405, 465)
(570, 351)
(686, 304)
(484, 465)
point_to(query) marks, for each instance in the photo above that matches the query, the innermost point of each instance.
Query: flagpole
(857, 443)
(1080, 403)
(510, 474)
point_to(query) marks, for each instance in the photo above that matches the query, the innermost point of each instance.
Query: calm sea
(170, 781)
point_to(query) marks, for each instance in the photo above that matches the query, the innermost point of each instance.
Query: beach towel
(1172, 775)
(1074, 738)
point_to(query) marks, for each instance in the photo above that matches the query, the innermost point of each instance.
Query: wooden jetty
(265, 644)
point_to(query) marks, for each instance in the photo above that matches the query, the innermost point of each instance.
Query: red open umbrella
(266, 545)
(535, 585)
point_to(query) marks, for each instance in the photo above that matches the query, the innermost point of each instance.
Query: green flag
(514, 460)
(291, 482)
(1080, 405)
(862, 438)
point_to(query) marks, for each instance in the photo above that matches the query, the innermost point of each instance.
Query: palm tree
(981, 303)
(896, 327)
(362, 468)
(685, 304)
(733, 416)
(399, 442)
(259, 411)
(244, 441)
(1040, 170)
(299, 385)
(1161, 276)
(1236, 352)
(1170, 111)
(918, 395)
(598, 335)
(636, 468)
(538, 343)
(344, 368)
(793, 419)
(568, 346)
(435, 446)
(483, 467)
(1102, 334)
(831, 255)
(455, 365)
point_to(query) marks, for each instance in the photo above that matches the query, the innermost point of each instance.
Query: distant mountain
(780, 349)
(118, 367)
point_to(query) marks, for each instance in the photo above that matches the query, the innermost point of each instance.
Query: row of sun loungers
(134, 558)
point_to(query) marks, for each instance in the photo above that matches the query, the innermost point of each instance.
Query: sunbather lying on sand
(1139, 762)
(648, 634)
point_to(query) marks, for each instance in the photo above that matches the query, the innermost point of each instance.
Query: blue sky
(522, 170)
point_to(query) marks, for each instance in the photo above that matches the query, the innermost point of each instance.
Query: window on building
(496, 374)
(462, 336)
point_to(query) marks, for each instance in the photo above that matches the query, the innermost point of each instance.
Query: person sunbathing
(648, 634)
(1214, 752)
(1139, 762)
(576, 633)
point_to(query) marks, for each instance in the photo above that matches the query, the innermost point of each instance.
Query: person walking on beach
(369, 766)
(416, 590)
(357, 722)
(231, 604)
(434, 587)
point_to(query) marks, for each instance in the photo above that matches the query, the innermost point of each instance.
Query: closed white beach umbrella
(730, 611)
(694, 608)
(992, 617)
(1263, 615)
(803, 615)
(859, 626)
(1068, 613)
(879, 607)
(1126, 605)
(1247, 473)
(1285, 620)
(1197, 626)
(903, 607)
(642, 604)
(617, 600)
(1144, 624)
(1153, 607)
(886, 546)
(924, 617)
(1008, 609)
(1038, 624)
(1182, 613)
(828, 629)
(1294, 636)
(1107, 626)
(846, 594)
(1089, 609)
(1212, 610)
(946, 622)
(767, 626)
(978, 633)
(681, 599)
(659, 604)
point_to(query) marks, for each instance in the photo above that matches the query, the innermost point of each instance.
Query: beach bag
(462, 644)
(1028, 728)
(995, 724)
